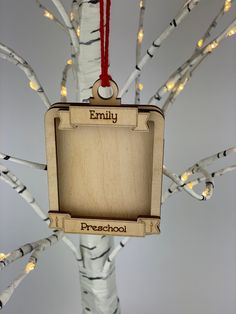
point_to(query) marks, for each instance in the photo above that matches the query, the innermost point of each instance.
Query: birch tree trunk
(98, 286)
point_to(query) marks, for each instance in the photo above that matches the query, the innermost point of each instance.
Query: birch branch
(8, 177)
(206, 194)
(6, 295)
(140, 34)
(197, 181)
(70, 27)
(11, 56)
(24, 162)
(195, 59)
(27, 248)
(114, 253)
(186, 9)
(67, 67)
(203, 163)
(48, 14)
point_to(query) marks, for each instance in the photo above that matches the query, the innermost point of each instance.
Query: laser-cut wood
(105, 167)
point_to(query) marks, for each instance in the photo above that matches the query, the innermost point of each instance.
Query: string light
(78, 31)
(3, 256)
(212, 46)
(141, 4)
(140, 86)
(29, 267)
(170, 85)
(205, 193)
(227, 5)
(184, 176)
(231, 32)
(69, 61)
(140, 35)
(33, 85)
(190, 185)
(48, 15)
(63, 91)
(71, 16)
(181, 85)
(200, 43)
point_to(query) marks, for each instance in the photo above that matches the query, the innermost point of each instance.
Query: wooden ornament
(105, 166)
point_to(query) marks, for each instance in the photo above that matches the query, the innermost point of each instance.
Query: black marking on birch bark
(137, 68)
(21, 251)
(79, 259)
(3, 262)
(55, 235)
(103, 237)
(31, 246)
(213, 174)
(210, 183)
(121, 244)
(85, 100)
(149, 53)
(98, 278)
(45, 168)
(90, 42)
(33, 201)
(21, 191)
(118, 300)
(109, 261)
(87, 247)
(73, 55)
(46, 219)
(97, 257)
(85, 292)
(157, 96)
(188, 7)
(218, 155)
(95, 31)
(203, 198)
(182, 185)
(1, 305)
(91, 1)
(49, 240)
(7, 157)
(88, 309)
(116, 310)
(40, 90)
(156, 45)
(174, 23)
(225, 152)
(5, 172)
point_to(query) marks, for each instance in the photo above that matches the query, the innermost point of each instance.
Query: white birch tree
(95, 256)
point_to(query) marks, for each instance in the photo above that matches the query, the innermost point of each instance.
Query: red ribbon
(105, 77)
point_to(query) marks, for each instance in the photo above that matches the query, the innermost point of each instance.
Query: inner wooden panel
(105, 171)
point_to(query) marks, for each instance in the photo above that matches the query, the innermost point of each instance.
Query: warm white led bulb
(184, 176)
(227, 5)
(200, 43)
(140, 35)
(170, 85)
(231, 32)
(63, 91)
(29, 267)
(140, 86)
(78, 31)
(33, 85)
(48, 15)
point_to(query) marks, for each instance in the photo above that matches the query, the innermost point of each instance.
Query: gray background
(191, 266)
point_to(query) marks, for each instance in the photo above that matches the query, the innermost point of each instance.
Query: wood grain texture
(104, 172)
